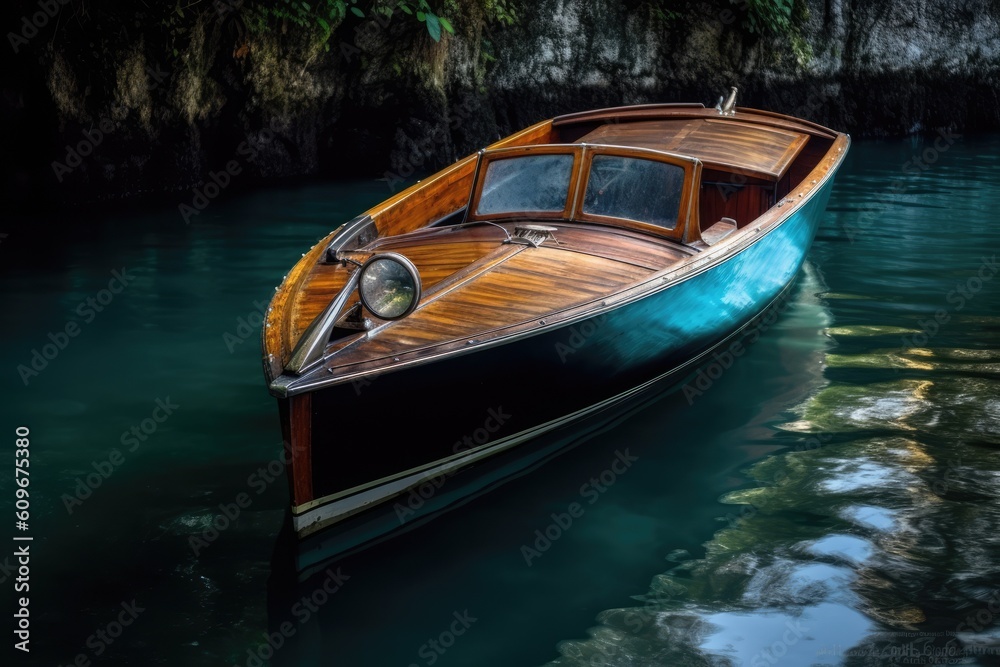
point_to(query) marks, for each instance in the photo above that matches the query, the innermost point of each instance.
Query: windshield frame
(583, 156)
(488, 157)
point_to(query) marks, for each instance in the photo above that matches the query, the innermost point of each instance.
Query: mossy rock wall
(382, 99)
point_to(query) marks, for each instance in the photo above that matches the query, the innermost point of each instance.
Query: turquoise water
(831, 498)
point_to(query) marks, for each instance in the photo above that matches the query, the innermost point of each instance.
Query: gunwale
(583, 157)
(278, 337)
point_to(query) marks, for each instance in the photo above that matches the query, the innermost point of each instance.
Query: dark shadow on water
(408, 599)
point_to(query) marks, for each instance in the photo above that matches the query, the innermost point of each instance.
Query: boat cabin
(689, 177)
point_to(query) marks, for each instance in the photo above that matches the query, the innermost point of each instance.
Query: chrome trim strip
(348, 232)
(312, 345)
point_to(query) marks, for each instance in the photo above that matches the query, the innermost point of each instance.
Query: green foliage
(667, 15)
(666, 12)
(756, 17)
(782, 18)
(503, 12)
(802, 49)
(765, 17)
(319, 16)
(323, 16)
(423, 13)
(176, 26)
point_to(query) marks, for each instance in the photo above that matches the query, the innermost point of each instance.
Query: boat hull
(375, 439)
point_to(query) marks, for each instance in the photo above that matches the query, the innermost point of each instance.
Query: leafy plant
(325, 15)
(767, 16)
(426, 15)
(503, 12)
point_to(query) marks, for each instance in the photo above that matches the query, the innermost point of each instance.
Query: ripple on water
(866, 516)
(879, 527)
(850, 476)
(814, 635)
(838, 546)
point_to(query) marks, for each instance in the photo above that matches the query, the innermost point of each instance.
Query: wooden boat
(553, 274)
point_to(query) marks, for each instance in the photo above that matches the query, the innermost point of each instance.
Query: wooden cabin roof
(720, 143)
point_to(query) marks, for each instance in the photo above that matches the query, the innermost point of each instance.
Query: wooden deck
(474, 284)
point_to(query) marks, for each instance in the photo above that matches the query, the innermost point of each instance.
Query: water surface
(831, 498)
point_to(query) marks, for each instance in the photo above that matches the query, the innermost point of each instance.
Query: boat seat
(718, 231)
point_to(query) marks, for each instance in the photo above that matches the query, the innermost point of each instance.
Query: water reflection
(853, 448)
(878, 543)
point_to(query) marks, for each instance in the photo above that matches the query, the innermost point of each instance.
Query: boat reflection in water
(372, 591)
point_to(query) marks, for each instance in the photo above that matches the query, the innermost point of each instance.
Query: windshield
(538, 183)
(634, 189)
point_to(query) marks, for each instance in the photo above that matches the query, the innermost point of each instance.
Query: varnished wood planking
(758, 150)
(297, 427)
(439, 195)
(430, 338)
(444, 192)
(750, 150)
(568, 126)
(528, 286)
(440, 253)
(279, 318)
(622, 245)
(742, 204)
(810, 156)
(433, 262)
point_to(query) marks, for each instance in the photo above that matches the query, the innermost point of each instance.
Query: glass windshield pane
(529, 183)
(634, 189)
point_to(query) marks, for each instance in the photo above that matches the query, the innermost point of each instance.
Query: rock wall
(97, 109)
